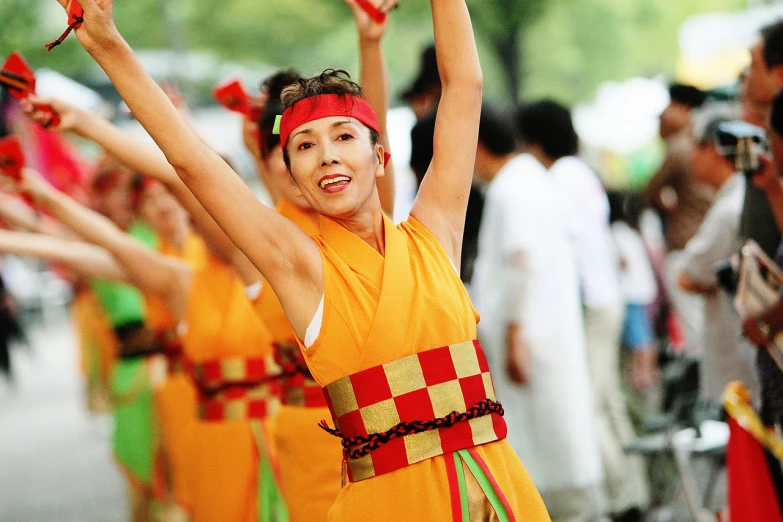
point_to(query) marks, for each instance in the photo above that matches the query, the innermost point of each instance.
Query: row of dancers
(230, 330)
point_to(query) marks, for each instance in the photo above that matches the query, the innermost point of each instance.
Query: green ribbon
(484, 483)
(463, 488)
(271, 507)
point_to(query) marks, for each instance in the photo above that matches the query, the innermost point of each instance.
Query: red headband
(325, 106)
(139, 187)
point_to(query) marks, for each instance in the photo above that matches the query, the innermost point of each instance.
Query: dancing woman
(227, 348)
(379, 311)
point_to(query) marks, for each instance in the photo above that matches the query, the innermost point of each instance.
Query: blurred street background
(55, 457)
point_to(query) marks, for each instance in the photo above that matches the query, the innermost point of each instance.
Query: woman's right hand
(97, 31)
(35, 108)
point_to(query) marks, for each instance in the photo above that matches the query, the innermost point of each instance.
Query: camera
(742, 142)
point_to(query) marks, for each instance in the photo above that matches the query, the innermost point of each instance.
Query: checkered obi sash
(173, 350)
(299, 387)
(235, 388)
(415, 408)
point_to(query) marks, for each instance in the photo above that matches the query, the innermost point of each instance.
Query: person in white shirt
(639, 288)
(547, 132)
(726, 356)
(527, 290)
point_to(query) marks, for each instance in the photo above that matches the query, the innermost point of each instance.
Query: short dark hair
(428, 76)
(688, 95)
(273, 87)
(496, 131)
(548, 124)
(772, 35)
(331, 81)
(422, 137)
(776, 114)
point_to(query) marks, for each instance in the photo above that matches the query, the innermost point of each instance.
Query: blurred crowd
(589, 297)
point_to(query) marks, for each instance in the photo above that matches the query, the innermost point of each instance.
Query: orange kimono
(237, 383)
(98, 347)
(400, 309)
(175, 398)
(308, 459)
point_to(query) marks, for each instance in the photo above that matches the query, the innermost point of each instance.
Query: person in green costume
(134, 437)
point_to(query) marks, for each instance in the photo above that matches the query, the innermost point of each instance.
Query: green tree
(503, 24)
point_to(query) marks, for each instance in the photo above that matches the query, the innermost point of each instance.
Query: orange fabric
(98, 346)
(308, 459)
(175, 399)
(377, 310)
(309, 463)
(221, 323)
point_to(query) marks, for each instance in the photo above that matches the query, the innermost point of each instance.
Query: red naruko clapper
(19, 80)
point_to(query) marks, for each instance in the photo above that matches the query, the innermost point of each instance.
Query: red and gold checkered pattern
(176, 362)
(237, 388)
(299, 387)
(420, 387)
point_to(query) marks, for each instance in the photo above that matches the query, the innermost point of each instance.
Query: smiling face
(334, 163)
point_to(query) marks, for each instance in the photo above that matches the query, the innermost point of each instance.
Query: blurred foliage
(577, 44)
(562, 48)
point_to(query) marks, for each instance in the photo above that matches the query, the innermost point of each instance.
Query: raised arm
(284, 254)
(443, 196)
(146, 268)
(143, 157)
(374, 82)
(84, 259)
(20, 216)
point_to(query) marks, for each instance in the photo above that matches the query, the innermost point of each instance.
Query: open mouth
(334, 183)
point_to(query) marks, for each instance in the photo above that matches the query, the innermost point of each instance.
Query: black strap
(357, 447)
(77, 21)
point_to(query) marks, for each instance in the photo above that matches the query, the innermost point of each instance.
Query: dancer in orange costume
(97, 346)
(230, 350)
(175, 396)
(413, 401)
(308, 460)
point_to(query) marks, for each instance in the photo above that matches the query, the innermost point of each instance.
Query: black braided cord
(77, 21)
(357, 447)
(290, 370)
